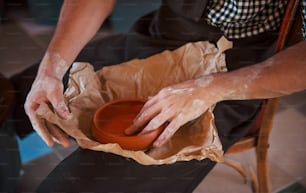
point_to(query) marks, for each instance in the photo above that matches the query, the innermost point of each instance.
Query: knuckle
(27, 107)
(164, 91)
(61, 107)
(154, 123)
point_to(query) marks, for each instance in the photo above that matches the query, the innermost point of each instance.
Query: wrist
(231, 86)
(222, 86)
(52, 65)
(211, 87)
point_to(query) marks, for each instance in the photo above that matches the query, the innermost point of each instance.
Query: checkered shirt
(245, 18)
(304, 18)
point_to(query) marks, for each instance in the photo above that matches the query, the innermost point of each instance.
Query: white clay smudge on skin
(182, 90)
(255, 74)
(154, 124)
(61, 64)
(141, 116)
(57, 64)
(48, 83)
(197, 103)
(204, 81)
(197, 107)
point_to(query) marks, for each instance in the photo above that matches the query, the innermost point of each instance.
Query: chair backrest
(284, 37)
(259, 136)
(263, 123)
(287, 36)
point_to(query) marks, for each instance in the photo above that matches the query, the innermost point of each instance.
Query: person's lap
(91, 171)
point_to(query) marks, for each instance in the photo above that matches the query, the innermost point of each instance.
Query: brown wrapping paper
(141, 78)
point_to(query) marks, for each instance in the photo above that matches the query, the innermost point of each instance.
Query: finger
(42, 131)
(58, 134)
(162, 95)
(38, 124)
(142, 118)
(168, 132)
(150, 97)
(59, 105)
(155, 123)
(151, 101)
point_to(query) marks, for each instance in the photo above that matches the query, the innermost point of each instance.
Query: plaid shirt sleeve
(239, 18)
(304, 18)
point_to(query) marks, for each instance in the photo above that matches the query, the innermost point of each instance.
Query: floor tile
(230, 179)
(32, 147)
(288, 145)
(223, 179)
(295, 99)
(302, 109)
(279, 179)
(294, 188)
(35, 171)
(303, 181)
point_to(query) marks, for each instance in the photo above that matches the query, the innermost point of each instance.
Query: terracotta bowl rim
(99, 131)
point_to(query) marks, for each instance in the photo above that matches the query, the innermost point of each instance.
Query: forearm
(78, 22)
(280, 75)
(178, 104)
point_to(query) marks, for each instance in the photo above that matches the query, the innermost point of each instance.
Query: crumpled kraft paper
(141, 78)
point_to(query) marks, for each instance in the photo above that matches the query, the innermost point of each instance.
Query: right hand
(50, 90)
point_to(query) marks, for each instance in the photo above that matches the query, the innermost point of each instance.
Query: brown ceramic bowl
(112, 118)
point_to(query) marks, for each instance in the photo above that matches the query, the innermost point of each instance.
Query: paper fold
(141, 78)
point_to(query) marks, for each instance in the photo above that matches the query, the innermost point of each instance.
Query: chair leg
(263, 145)
(263, 170)
(237, 167)
(254, 180)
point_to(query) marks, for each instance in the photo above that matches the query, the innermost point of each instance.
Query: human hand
(48, 88)
(177, 105)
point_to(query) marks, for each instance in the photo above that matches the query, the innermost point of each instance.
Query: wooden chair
(258, 137)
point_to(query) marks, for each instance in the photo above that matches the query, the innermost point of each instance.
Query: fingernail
(49, 143)
(65, 143)
(129, 130)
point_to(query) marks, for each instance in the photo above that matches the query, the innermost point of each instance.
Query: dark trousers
(90, 171)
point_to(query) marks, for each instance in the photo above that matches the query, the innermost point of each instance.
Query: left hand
(177, 104)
